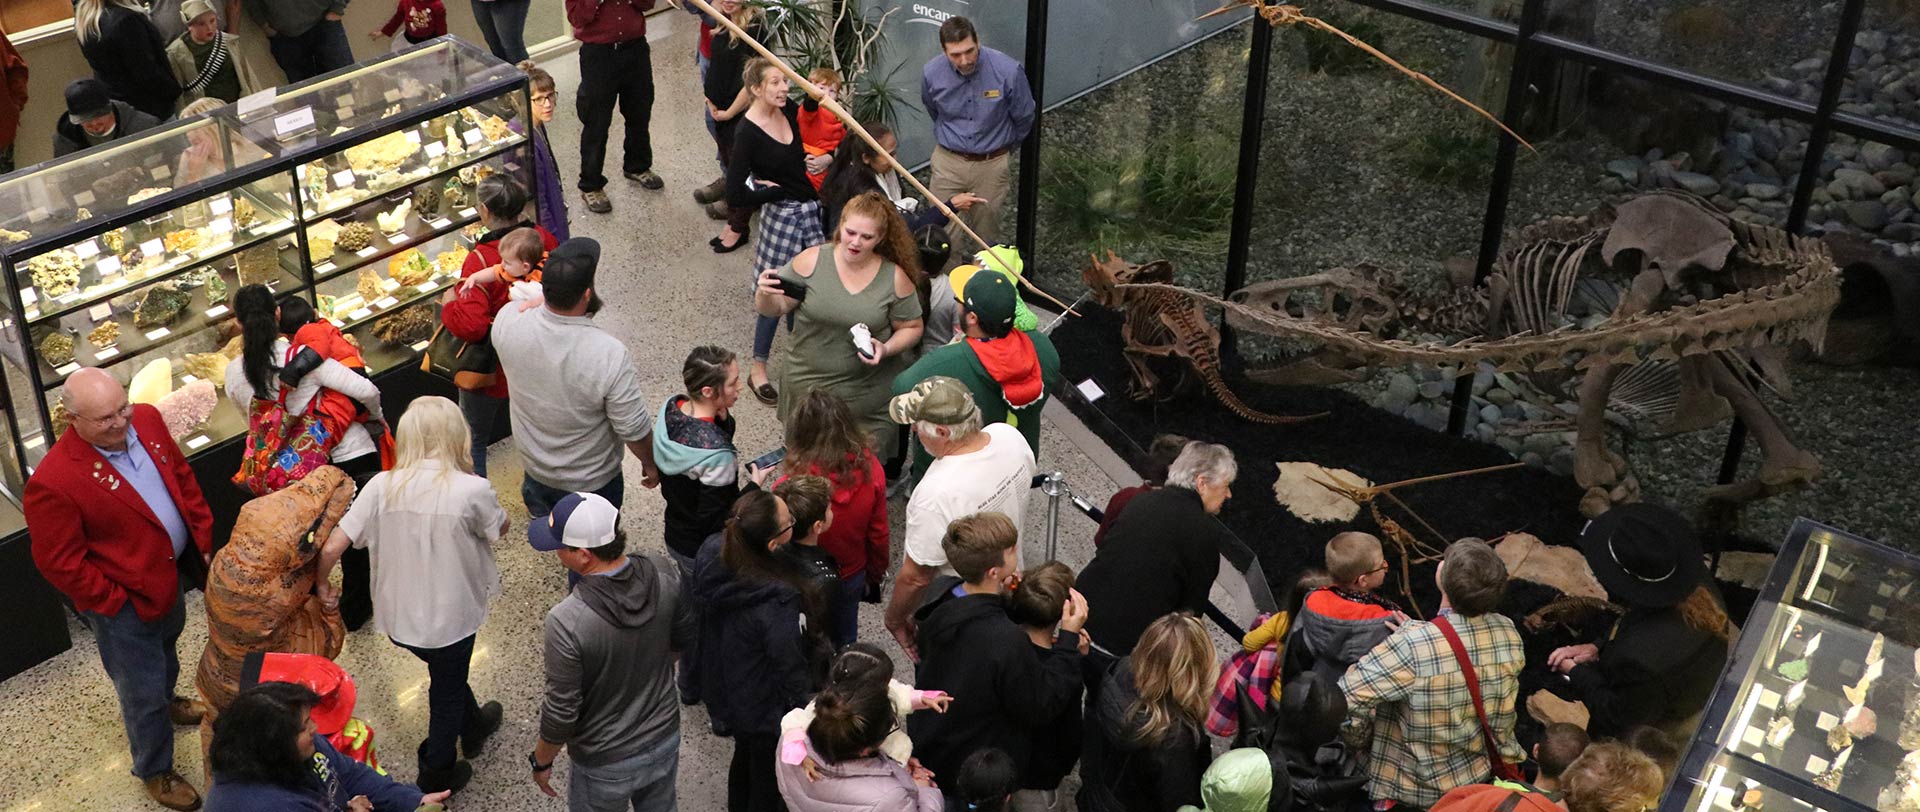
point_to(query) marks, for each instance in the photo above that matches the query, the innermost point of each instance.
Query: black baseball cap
(570, 267)
(87, 100)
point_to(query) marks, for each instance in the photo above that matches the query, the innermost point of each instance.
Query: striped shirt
(1409, 708)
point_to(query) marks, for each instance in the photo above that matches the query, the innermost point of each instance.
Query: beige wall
(53, 59)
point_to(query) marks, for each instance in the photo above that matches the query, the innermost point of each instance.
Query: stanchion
(1054, 485)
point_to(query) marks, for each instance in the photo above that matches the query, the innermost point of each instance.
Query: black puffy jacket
(1119, 773)
(752, 658)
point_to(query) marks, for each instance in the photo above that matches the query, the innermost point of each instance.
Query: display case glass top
(1819, 709)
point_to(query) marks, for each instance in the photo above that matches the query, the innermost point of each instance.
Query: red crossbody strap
(1473, 689)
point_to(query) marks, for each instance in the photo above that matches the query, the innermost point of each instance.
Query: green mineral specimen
(160, 306)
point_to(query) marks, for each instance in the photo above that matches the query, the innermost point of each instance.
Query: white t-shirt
(995, 478)
(432, 552)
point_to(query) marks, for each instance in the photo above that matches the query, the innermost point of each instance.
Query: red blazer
(101, 544)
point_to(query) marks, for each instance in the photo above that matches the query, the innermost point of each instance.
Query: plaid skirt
(787, 227)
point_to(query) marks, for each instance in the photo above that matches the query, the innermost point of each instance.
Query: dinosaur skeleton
(1662, 296)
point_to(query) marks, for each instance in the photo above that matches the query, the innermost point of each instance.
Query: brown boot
(183, 711)
(173, 792)
(711, 192)
(717, 210)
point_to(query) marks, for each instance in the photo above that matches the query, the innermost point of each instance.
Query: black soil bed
(1354, 436)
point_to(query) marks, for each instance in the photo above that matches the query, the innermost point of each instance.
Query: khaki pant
(952, 175)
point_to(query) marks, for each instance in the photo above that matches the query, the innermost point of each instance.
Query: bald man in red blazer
(112, 511)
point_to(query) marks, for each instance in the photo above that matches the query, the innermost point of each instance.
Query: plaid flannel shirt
(1408, 706)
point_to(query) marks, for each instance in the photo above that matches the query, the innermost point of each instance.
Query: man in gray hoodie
(610, 646)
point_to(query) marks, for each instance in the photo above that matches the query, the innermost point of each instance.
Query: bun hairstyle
(849, 720)
(537, 76)
(987, 780)
(504, 198)
(861, 663)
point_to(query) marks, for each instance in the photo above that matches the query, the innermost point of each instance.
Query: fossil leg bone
(1783, 465)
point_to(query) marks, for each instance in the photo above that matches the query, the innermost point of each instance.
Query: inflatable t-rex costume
(260, 588)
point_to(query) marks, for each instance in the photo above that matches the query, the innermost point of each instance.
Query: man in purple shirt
(981, 108)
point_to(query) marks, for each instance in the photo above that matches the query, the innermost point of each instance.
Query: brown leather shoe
(183, 711)
(173, 792)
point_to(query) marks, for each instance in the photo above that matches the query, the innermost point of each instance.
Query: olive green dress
(820, 352)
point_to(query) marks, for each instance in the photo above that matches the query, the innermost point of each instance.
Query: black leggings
(750, 783)
(356, 570)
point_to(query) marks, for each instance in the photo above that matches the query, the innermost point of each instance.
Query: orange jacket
(821, 133)
(13, 92)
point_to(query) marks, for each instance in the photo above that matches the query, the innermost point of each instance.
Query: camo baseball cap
(939, 400)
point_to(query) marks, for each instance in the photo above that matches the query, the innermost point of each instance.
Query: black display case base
(36, 613)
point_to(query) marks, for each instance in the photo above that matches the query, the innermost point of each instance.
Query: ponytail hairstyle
(705, 367)
(850, 720)
(254, 307)
(754, 523)
(295, 313)
(896, 242)
(503, 197)
(756, 70)
(1173, 668)
(986, 782)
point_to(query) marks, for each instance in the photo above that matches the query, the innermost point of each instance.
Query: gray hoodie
(609, 663)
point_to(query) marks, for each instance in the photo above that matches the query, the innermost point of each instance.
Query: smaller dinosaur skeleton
(1160, 324)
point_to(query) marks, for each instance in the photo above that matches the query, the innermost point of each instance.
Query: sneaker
(168, 789)
(452, 778)
(597, 201)
(711, 192)
(475, 740)
(183, 711)
(647, 180)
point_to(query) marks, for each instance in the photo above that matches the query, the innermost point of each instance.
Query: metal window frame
(1824, 118)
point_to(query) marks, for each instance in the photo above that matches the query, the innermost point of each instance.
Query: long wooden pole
(853, 126)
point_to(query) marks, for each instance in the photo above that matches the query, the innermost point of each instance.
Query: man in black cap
(93, 118)
(1662, 659)
(580, 396)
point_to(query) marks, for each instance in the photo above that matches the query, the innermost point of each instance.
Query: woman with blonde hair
(430, 525)
(865, 281)
(127, 53)
(1146, 748)
(1607, 777)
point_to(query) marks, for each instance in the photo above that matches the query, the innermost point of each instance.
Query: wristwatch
(533, 761)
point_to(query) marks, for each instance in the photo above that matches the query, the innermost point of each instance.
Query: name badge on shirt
(993, 94)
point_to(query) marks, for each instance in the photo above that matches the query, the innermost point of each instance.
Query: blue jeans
(504, 24)
(643, 783)
(481, 412)
(320, 49)
(450, 704)
(706, 117)
(540, 498)
(141, 659)
(846, 614)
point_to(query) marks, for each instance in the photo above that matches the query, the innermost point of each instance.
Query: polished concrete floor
(60, 734)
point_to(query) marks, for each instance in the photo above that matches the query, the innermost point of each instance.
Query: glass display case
(1819, 708)
(354, 190)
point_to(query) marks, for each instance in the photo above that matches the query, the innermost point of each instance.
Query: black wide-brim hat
(1644, 554)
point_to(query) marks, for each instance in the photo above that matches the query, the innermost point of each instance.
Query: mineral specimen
(1902, 794)
(1830, 780)
(243, 213)
(456, 194)
(413, 324)
(152, 382)
(258, 265)
(410, 268)
(149, 192)
(9, 236)
(1779, 731)
(426, 200)
(381, 155)
(391, 222)
(103, 336)
(55, 273)
(1796, 693)
(450, 260)
(185, 239)
(210, 366)
(160, 306)
(57, 348)
(233, 349)
(187, 408)
(319, 250)
(370, 286)
(354, 236)
(115, 240)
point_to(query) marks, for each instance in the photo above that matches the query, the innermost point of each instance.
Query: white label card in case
(1816, 764)
(158, 333)
(392, 95)
(27, 296)
(248, 104)
(436, 149)
(188, 379)
(216, 311)
(323, 267)
(161, 172)
(420, 347)
(222, 225)
(414, 136)
(290, 123)
(1091, 390)
(1826, 721)
(360, 314)
(153, 248)
(343, 178)
(385, 302)
(106, 353)
(442, 223)
(345, 112)
(345, 99)
(220, 205)
(198, 441)
(107, 265)
(68, 369)
(367, 251)
(1754, 736)
(464, 213)
(471, 136)
(84, 197)
(100, 311)
(426, 287)
(87, 250)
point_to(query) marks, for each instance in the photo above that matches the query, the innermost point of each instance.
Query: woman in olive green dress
(868, 275)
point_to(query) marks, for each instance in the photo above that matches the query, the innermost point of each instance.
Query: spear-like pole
(853, 126)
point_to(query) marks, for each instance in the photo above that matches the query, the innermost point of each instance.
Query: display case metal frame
(284, 157)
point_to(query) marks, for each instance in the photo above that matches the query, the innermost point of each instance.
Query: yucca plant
(839, 34)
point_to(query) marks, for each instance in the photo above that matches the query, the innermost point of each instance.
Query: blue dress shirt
(982, 113)
(136, 466)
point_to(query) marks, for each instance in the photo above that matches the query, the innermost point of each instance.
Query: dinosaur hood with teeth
(260, 589)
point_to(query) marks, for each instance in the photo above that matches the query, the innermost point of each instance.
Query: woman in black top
(727, 101)
(858, 169)
(768, 169)
(127, 53)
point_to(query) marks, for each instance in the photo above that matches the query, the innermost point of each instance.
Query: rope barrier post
(1055, 487)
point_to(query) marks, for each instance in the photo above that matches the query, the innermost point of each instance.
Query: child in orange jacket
(820, 130)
